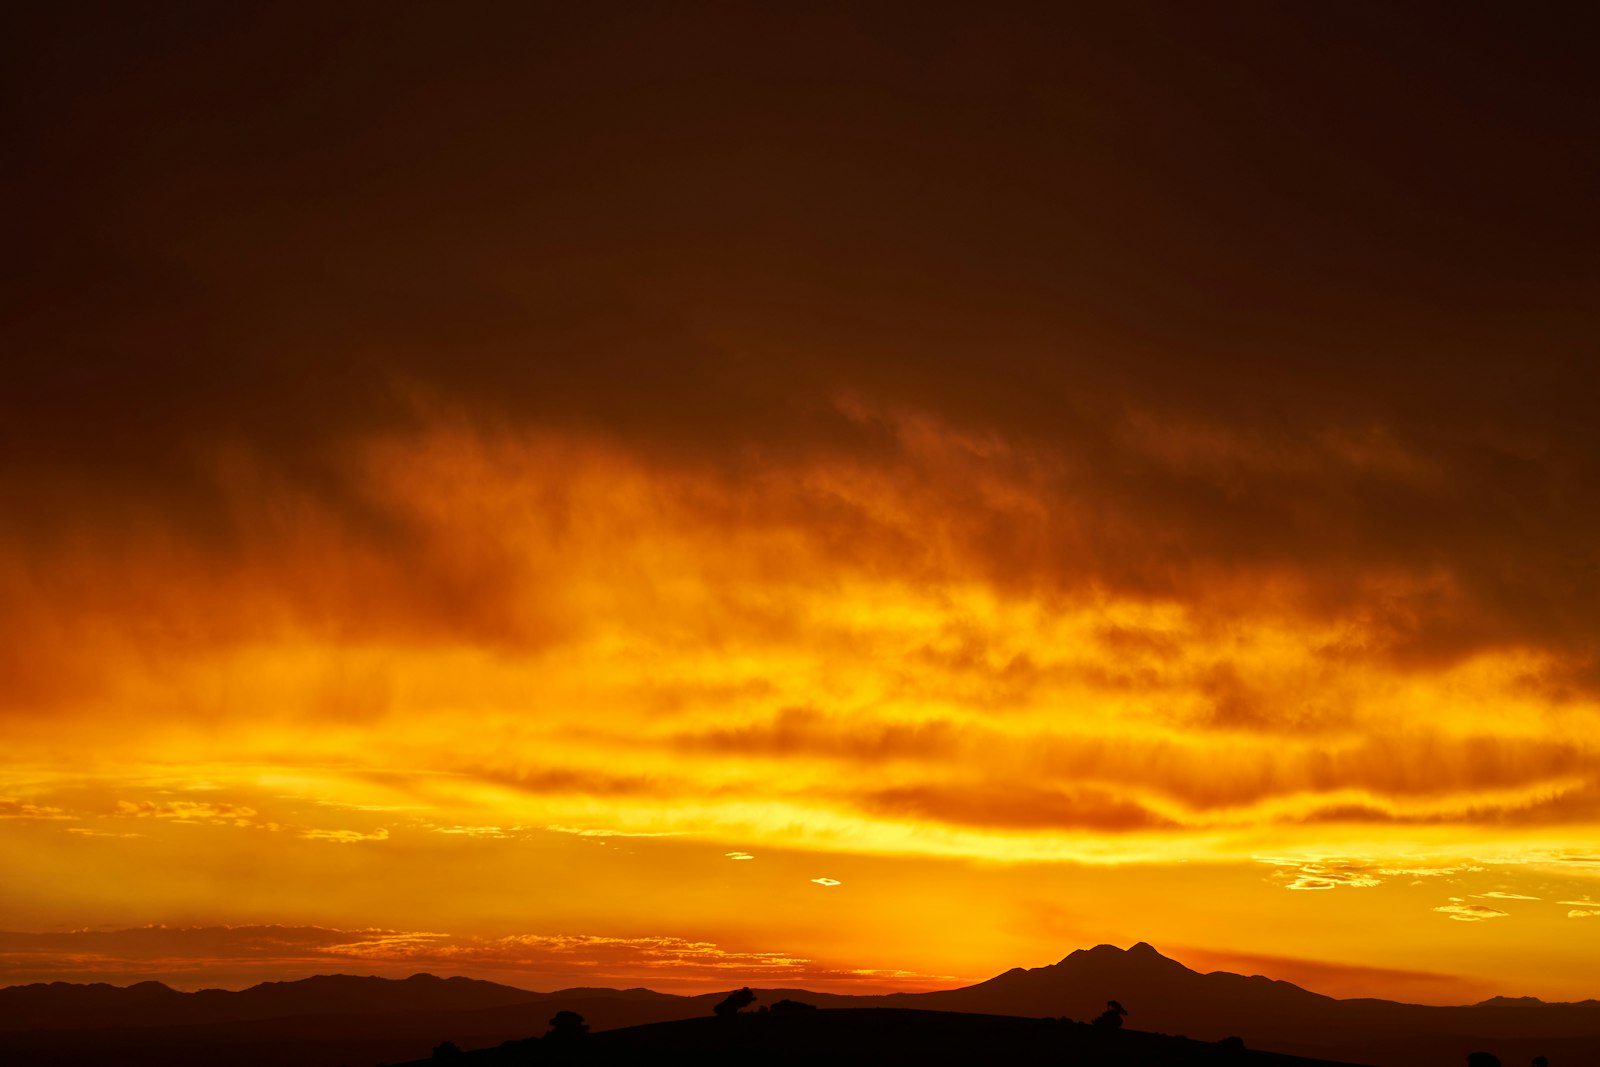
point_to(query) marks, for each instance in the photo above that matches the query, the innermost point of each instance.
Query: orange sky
(827, 500)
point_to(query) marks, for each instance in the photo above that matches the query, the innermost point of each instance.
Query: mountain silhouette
(343, 1019)
(60, 1004)
(1152, 985)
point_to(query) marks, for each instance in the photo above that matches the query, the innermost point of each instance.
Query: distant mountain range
(336, 1020)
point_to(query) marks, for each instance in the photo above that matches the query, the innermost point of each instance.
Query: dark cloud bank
(1244, 291)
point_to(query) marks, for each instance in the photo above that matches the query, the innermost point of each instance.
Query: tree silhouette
(446, 1050)
(1540, 1061)
(786, 1006)
(739, 998)
(567, 1024)
(1111, 1018)
(1482, 1059)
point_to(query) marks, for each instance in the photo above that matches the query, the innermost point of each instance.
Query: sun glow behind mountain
(688, 586)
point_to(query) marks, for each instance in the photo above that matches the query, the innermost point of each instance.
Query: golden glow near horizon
(828, 670)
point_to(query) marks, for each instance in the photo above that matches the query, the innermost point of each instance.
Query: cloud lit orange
(938, 488)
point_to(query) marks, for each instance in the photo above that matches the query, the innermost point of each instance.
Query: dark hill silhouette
(339, 1019)
(881, 1037)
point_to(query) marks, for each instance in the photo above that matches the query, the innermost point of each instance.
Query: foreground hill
(345, 1021)
(882, 1037)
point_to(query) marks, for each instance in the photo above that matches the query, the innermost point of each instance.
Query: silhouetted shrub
(446, 1050)
(1540, 1061)
(1482, 1059)
(522, 1047)
(1231, 1044)
(567, 1024)
(784, 1006)
(739, 998)
(1111, 1018)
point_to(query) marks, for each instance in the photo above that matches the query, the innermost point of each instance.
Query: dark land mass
(345, 1021)
(877, 1036)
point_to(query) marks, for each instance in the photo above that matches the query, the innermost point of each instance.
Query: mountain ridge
(1161, 995)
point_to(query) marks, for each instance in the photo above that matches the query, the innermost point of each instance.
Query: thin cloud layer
(1462, 911)
(184, 955)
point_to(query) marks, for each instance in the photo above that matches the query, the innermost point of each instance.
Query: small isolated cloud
(1583, 913)
(1304, 882)
(475, 831)
(739, 855)
(1497, 895)
(86, 832)
(894, 973)
(1582, 909)
(827, 881)
(345, 837)
(1325, 874)
(1461, 911)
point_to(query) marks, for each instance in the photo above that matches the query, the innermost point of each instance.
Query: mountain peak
(1102, 951)
(1141, 951)
(151, 987)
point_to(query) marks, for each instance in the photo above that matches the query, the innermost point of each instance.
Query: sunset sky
(851, 496)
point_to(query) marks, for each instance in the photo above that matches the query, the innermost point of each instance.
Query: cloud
(1326, 874)
(1461, 911)
(601, 832)
(1583, 913)
(1012, 806)
(1569, 858)
(178, 952)
(1498, 895)
(1141, 493)
(195, 956)
(15, 808)
(739, 855)
(187, 811)
(1171, 776)
(1005, 438)
(345, 837)
(1336, 979)
(819, 658)
(830, 882)
(1452, 865)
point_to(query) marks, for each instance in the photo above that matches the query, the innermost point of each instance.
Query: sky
(849, 496)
